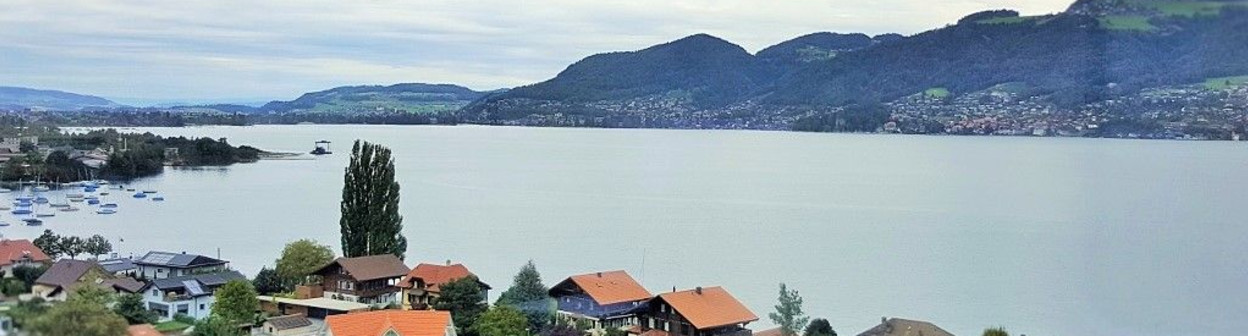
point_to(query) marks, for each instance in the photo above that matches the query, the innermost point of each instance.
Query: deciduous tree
(133, 309)
(302, 257)
(50, 243)
(529, 295)
(788, 315)
(80, 316)
(268, 282)
(998, 331)
(97, 245)
(501, 321)
(370, 222)
(819, 327)
(236, 302)
(465, 299)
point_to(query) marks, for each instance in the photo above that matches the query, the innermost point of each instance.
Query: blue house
(604, 299)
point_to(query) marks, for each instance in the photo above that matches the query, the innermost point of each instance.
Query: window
(201, 306)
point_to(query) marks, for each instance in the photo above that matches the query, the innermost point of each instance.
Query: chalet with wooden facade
(370, 280)
(422, 286)
(697, 312)
(605, 299)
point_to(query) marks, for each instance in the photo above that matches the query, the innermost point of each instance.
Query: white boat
(75, 200)
(75, 195)
(106, 211)
(5, 207)
(45, 214)
(5, 190)
(69, 209)
(149, 191)
(40, 189)
(58, 205)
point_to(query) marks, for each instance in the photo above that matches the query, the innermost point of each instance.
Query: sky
(199, 51)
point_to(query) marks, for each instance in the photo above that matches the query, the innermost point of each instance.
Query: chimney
(698, 290)
(448, 262)
(599, 274)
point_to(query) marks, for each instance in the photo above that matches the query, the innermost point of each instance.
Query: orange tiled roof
(714, 307)
(377, 323)
(611, 287)
(142, 330)
(769, 332)
(435, 275)
(14, 250)
(654, 332)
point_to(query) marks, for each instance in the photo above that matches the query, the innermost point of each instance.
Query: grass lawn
(171, 326)
(1223, 83)
(936, 92)
(1127, 22)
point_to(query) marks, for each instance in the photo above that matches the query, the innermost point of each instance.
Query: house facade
(369, 280)
(422, 286)
(697, 312)
(190, 295)
(160, 265)
(19, 253)
(604, 299)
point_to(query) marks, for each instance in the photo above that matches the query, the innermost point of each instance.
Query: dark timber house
(605, 299)
(697, 312)
(370, 279)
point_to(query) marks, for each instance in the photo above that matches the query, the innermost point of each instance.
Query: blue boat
(22, 204)
(24, 199)
(4, 223)
(140, 195)
(88, 189)
(93, 201)
(41, 200)
(21, 211)
(108, 205)
(106, 211)
(33, 221)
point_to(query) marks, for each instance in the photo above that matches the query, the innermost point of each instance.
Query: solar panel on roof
(192, 287)
(159, 258)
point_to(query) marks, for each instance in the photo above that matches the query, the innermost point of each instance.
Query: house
(190, 295)
(67, 275)
(289, 325)
(20, 252)
(904, 327)
(370, 279)
(120, 266)
(770, 332)
(143, 330)
(159, 265)
(391, 323)
(605, 299)
(697, 312)
(423, 284)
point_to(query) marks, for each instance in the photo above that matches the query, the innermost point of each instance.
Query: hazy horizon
(155, 52)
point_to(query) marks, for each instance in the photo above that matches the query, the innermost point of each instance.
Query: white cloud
(202, 49)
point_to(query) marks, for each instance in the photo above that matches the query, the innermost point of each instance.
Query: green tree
(29, 273)
(370, 222)
(998, 331)
(501, 321)
(133, 309)
(80, 316)
(216, 326)
(97, 245)
(465, 299)
(50, 243)
(236, 302)
(12, 287)
(72, 246)
(268, 282)
(819, 327)
(788, 314)
(25, 313)
(302, 257)
(528, 294)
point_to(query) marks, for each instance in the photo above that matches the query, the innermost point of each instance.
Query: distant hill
(412, 97)
(699, 71)
(1094, 51)
(26, 98)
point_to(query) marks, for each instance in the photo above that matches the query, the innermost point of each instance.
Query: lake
(1045, 236)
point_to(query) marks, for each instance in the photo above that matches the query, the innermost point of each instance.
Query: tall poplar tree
(370, 223)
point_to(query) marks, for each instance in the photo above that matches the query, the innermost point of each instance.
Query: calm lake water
(1044, 236)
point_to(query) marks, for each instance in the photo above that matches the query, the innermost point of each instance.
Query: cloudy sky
(141, 52)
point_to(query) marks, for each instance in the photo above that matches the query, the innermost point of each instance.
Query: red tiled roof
(769, 332)
(12, 251)
(142, 330)
(435, 276)
(711, 308)
(654, 332)
(611, 287)
(377, 323)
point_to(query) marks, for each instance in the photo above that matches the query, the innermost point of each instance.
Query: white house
(190, 295)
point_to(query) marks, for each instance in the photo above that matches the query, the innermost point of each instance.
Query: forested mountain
(25, 98)
(411, 97)
(1096, 50)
